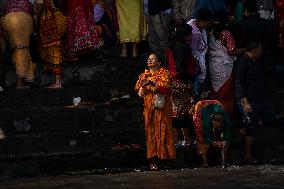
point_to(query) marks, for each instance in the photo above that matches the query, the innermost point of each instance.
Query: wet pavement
(233, 177)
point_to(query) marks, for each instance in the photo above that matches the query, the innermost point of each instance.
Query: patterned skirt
(182, 98)
(51, 53)
(81, 33)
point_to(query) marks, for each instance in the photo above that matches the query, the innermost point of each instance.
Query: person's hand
(224, 144)
(217, 144)
(220, 144)
(246, 105)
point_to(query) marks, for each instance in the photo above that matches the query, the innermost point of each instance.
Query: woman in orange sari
(53, 26)
(158, 121)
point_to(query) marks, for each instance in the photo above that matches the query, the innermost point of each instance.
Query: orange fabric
(52, 29)
(18, 26)
(158, 122)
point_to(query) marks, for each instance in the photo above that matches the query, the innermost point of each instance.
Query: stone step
(40, 97)
(118, 114)
(90, 72)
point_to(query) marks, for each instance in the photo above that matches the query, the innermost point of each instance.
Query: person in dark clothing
(250, 95)
(254, 28)
(181, 79)
(158, 25)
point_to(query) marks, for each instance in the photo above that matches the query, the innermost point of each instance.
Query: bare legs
(186, 136)
(187, 139)
(248, 148)
(123, 52)
(57, 84)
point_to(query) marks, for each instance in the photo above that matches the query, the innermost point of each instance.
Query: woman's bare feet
(134, 50)
(123, 53)
(153, 167)
(55, 86)
(21, 86)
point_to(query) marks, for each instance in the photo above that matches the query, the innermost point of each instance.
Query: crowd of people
(216, 60)
(221, 46)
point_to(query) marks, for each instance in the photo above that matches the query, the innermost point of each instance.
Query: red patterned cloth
(228, 41)
(81, 33)
(19, 6)
(226, 95)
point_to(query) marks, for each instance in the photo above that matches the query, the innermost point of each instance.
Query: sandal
(185, 144)
(153, 167)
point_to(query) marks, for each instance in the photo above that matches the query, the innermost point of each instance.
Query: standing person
(183, 9)
(221, 56)
(17, 24)
(250, 94)
(265, 8)
(182, 87)
(105, 25)
(81, 33)
(155, 82)
(53, 26)
(212, 128)
(159, 16)
(130, 15)
(199, 45)
(255, 28)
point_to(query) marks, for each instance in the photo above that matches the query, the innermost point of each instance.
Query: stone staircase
(46, 132)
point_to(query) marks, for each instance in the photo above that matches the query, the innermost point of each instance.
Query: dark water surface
(235, 177)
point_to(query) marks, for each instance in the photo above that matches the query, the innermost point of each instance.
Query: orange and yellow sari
(158, 122)
(53, 26)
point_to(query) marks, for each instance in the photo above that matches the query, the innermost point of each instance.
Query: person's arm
(240, 82)
(163, 84)
(228, 41)
(194, 45)
(240, 77)
(138, 86)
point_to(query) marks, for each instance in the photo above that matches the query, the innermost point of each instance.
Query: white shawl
(220, 63)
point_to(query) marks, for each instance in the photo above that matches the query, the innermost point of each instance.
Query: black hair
(253, 45)
(204, 15)
(218, 116)
(220, 24)
(251, 6)
(183, 30)
(159, 57)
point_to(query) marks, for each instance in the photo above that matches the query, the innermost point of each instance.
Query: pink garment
(228, 41)
(81, 33)
(19, 6)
